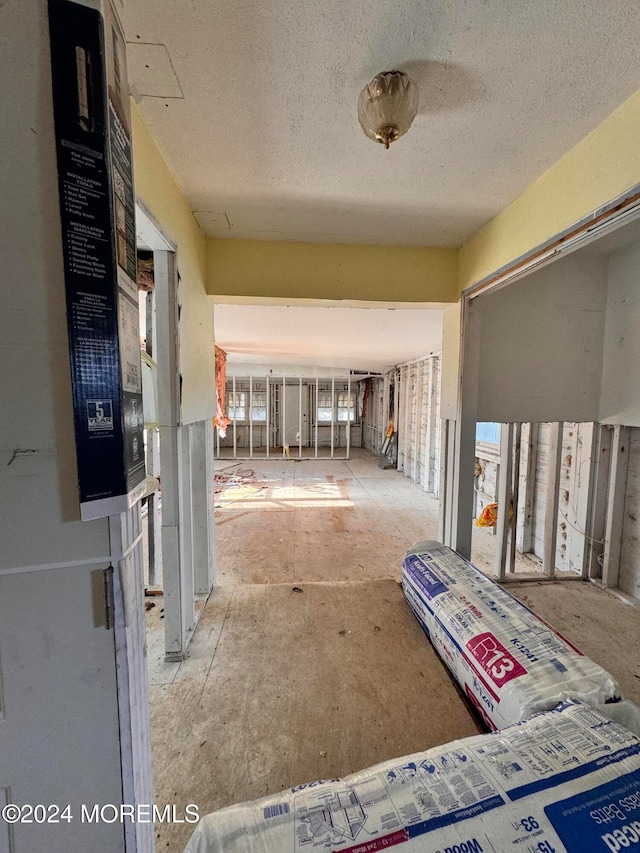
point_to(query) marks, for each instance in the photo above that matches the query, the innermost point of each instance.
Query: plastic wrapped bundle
(566, 781)
(509, 662)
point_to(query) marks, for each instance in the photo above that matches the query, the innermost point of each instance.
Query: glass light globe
(387, 106)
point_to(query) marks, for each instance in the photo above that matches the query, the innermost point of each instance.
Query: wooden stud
(203, 528)
(333, 410)
(462, 474)
(504, 499)
(384, 415)
(268, 421)
(300, 419)
(430, 448)
(615, 505)
(251, 417)
(316, 418)
(599, 501)
(528, 503)
(235, 413)
(284, 406)
(417, 426)
(175, 583)
(407, 419)
(585, 482)
(348, 426)
(551, 506)
(514, 495)
(444, 480)
(185, 435)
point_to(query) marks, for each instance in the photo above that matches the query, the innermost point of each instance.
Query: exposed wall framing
(291, 417)
(574, 490)
(414, 389)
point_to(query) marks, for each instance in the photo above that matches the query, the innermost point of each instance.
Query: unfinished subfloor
(306, 662)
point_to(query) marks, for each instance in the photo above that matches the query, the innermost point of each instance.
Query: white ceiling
(254, 106)
(370, 339)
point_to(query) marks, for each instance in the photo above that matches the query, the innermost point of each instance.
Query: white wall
(573, 490)
(376, 418)
(59, 721)
(197, 358)
(541, 345)
(416, 421)
(620, 393)
(629, 577)
(450, 361)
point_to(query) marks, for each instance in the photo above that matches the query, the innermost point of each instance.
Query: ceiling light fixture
(387, 106)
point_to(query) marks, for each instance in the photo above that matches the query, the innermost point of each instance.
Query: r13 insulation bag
(509, 662)
(566, 781)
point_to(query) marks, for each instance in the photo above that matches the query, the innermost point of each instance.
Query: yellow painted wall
(265, 269)
(156, 187)
(601, 167)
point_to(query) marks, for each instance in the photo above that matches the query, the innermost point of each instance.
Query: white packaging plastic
(509, 662)
(624, 712)
(566, 781)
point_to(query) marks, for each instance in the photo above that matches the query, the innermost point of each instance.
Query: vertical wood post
(348, 427)
(443, 532)
(316, 417)
(504, 499)
(268, 421)
(300, 418)
(599, 504)
(418, 393)
(615, 505)
(462, 491)
(586, 465)
(235, 413)
(551, 507)
(515, 493)
(528, 503)
(284, 406)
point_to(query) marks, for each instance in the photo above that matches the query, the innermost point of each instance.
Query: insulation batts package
(565, 781)
(509, 662)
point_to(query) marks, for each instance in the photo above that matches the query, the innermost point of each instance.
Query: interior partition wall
(291, 417)
(406, 400)
(548, 357)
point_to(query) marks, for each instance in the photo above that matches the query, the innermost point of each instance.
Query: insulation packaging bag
(566, 780)
(508, 661)
(625, 712)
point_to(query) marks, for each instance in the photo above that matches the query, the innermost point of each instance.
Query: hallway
(306, 662)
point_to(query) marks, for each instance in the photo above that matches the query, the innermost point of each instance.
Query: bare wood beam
(514, 495)
(504, 499)
(551, 507)
(615, 505)
(599, 504)
(526, 544)
(444, 481)
(586, 492)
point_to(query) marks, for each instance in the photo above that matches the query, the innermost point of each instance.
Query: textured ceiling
(253, 103)
(372, 339)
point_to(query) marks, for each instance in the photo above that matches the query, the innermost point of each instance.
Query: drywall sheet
(620, 395)
(509, 662)
(563, 782)
(540, 345)
(629, 578)
(450, 362)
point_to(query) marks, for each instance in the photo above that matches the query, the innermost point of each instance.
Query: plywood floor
(306, 662)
